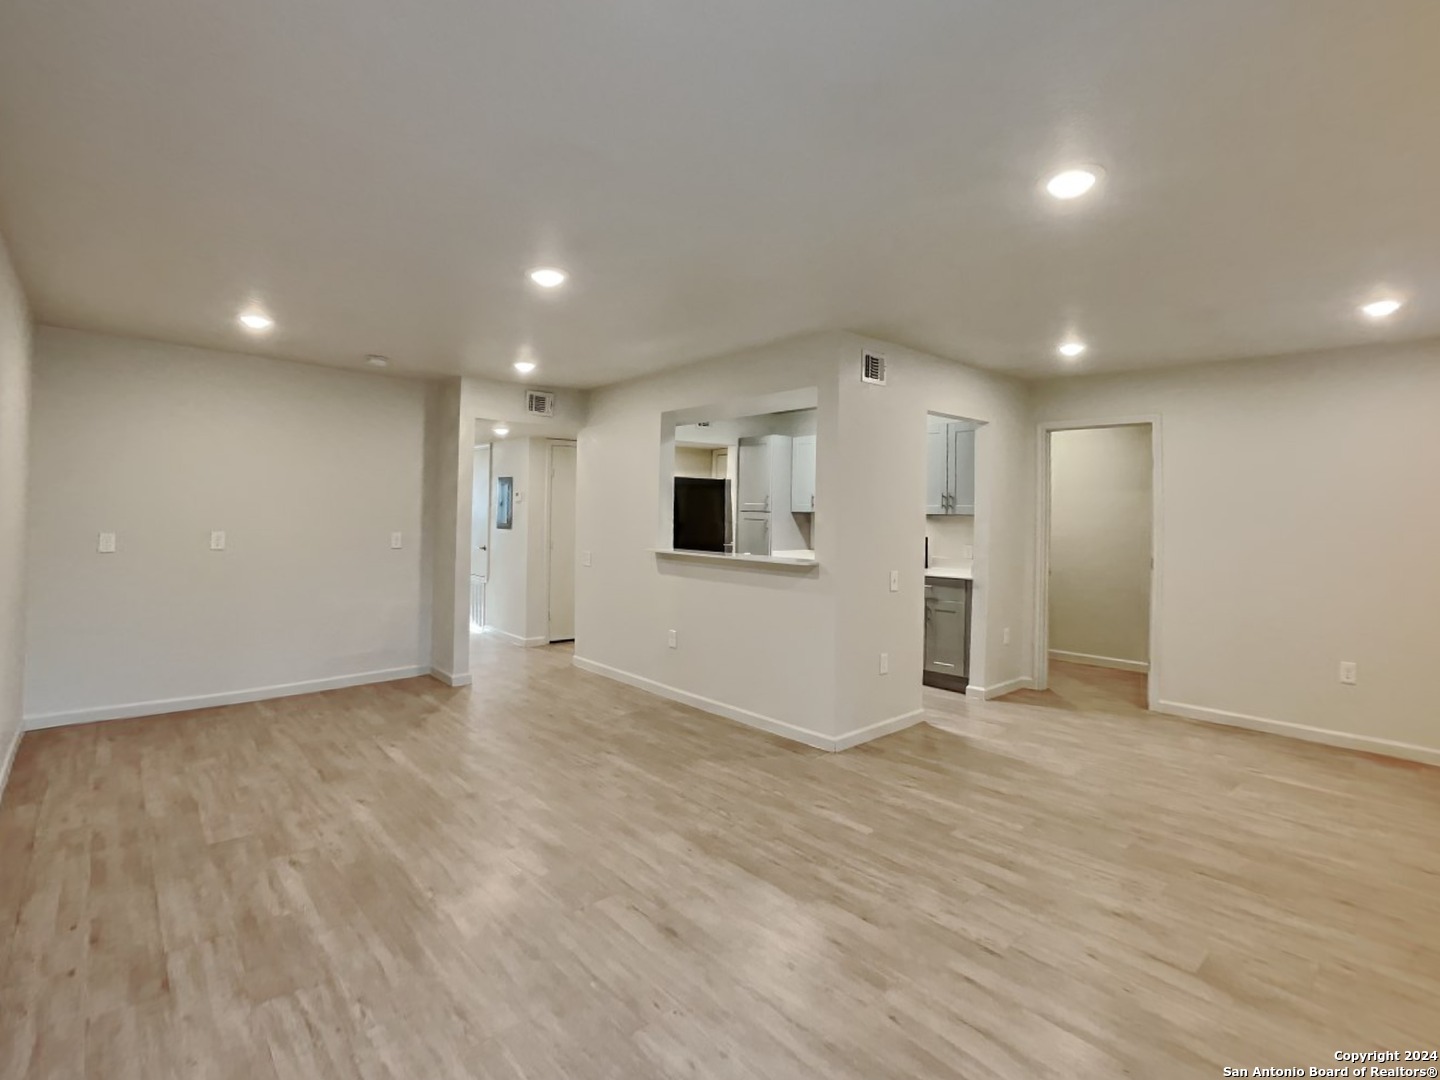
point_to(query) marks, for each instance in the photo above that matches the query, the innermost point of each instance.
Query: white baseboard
(7, 758)
(751, 719)
(1099, 661)
(1368, 743)
(986, 693)
(710, 705)
(881, 728)
(516, 639)
(448, 678)
(210, 701)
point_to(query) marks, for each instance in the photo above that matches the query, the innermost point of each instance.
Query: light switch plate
(217, 540)
(1349, 672)
(884, 663)
(397, 541)
(106, 546)
(674, 639)
(585, 558)
(894, 580)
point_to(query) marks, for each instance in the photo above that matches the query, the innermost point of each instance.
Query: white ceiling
(381, 175)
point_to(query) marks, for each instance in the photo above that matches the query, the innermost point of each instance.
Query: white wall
(1299, 529)
(14, 430)
(694, 461)
(1100, 515)
(308, 470)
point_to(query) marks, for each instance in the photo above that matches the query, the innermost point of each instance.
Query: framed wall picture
(505, 502)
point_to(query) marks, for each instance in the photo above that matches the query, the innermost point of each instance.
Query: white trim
(1042, 541)
(210, 701)
(9, 759)
(449, 678)
(549, 513)
(769, 724)
(1009, 686)
(883, 727)
(515, 639)
(1099, 661)
(1325, 736)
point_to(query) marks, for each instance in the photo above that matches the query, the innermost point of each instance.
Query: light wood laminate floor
(551, 875)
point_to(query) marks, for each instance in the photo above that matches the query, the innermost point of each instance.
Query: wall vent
(872, 369)
(539, 403)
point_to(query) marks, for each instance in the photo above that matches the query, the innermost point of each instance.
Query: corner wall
(15, 392)
(1298, 530)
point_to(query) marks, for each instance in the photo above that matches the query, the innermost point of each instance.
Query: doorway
(479, 537)
(1096, 595)
(560, 541)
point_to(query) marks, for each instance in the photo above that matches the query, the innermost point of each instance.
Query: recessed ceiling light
(376, 360)
(547, 277)
(1381, 309)
(1072, 183)
(524, 366)
(256, 320)
(501, 430)
(1071, 349)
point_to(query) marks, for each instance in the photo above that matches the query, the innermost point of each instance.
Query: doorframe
(489, 449)
(1044, 430)
(550, 446)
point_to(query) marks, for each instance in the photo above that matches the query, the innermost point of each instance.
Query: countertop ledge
(728, 557)
(950, 573)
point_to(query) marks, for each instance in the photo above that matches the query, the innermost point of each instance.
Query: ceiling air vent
(872, 369)
(539, 403)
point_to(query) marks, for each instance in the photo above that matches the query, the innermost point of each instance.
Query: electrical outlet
(1005, 637)
(967, 552)
(585, 558)
(397, 541)
(1349, 672)
(674, 640)
(106, 546)
(894, 580)
(217, 540)
(884, 663)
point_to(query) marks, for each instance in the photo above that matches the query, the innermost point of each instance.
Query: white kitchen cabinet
(937, 450)
(802, 474)
(962, 470)
(950, 469)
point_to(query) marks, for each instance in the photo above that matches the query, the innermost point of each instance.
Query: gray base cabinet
(947, 633)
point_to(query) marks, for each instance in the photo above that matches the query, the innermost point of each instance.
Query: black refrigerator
(702, 514)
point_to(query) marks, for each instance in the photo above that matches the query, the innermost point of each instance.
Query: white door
(560, 517)
(480, 516)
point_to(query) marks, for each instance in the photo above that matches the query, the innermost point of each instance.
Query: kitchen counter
(786, 558)
(951, 573)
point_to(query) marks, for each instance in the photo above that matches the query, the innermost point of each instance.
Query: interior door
(560, 515)
(480, 516)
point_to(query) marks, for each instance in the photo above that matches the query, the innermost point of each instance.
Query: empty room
(852, 540)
